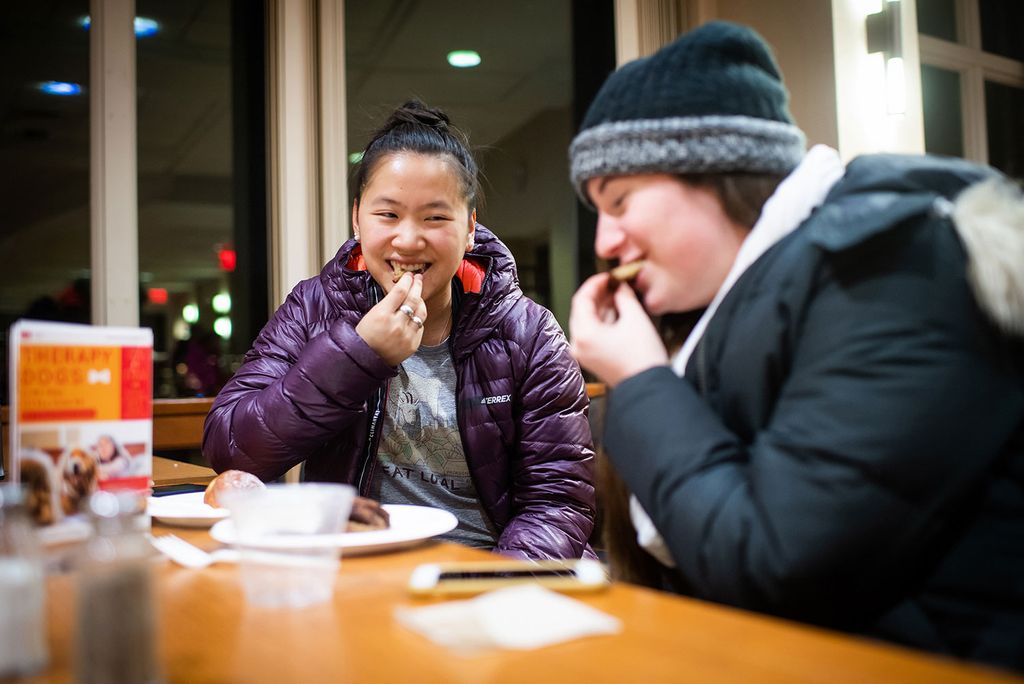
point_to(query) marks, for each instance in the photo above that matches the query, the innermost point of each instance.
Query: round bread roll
(229, 480)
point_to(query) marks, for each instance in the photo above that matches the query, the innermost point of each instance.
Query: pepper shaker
(116, 624)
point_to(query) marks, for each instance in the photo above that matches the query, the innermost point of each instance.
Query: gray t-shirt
(420, 458)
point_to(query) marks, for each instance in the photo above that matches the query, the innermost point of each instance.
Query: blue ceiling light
(60, 88)
(144, 27)
(464, 59)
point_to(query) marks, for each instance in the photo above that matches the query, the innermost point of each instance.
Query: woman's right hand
(388, 329)
(611, 334)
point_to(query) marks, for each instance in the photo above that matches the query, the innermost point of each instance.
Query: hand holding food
(394, 326)
(623, 273)
(604, 323)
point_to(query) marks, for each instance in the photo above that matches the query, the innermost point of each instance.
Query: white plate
(410, 525)
(185, 510)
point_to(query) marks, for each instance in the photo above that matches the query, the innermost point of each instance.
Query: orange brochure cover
(81, 413)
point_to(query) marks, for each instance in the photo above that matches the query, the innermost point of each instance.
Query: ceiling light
(181, 331)
(463, 59)
(190, 312)
(60, 88)
(144, 27)
(222, 326)
(221, 302)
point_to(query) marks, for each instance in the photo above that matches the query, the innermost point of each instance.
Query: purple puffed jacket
(311, 390)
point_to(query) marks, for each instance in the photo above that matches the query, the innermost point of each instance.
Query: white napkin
(522, 618)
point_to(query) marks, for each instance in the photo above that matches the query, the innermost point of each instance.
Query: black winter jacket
(847, 445)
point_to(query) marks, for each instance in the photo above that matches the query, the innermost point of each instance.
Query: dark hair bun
(415, 127)
(416, 113)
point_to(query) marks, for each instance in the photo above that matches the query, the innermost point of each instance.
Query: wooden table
(209, 634)
(167, 471)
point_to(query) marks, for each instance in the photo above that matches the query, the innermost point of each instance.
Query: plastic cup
(286, 558)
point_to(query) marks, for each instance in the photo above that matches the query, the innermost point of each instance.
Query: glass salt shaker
(22, 588)
(116, 622)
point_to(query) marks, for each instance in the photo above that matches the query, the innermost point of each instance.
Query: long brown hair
(742, 194)
(626, 560)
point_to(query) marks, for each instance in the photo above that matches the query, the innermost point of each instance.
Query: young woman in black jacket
(840, 439)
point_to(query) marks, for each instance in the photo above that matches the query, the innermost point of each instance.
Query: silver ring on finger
(407, 310)
(417, 320)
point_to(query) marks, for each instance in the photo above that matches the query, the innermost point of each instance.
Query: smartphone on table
(465, 578)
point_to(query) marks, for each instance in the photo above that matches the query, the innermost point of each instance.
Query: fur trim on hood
(989, 217)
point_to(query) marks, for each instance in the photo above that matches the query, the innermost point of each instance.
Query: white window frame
(113, 175)
(643, 26)
(975, 66)
(307, 163)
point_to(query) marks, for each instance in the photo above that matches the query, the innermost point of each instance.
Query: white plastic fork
(189, 555)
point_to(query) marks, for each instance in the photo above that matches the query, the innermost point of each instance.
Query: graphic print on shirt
(430, 445)
(421, 459)
(422, 441)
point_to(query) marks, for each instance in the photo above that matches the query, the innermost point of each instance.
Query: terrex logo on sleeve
(496, 399)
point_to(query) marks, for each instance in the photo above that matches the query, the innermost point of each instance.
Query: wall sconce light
(885, 35)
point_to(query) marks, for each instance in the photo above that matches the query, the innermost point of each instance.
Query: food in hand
(367, 515)
(399, 270)
(627, 272)
(229, 480)
(623, 273)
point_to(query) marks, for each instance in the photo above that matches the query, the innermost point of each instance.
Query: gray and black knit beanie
(712, 101)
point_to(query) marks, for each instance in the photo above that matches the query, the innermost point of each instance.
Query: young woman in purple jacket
(414, 367)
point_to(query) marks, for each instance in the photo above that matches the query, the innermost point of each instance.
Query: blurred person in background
(201, 361)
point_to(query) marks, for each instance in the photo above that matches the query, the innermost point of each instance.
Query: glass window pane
(943, 127)
(937, 18)
(44, 152)
(516, 107)
(188, 244)
(1002, 22)
(1004, 112)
